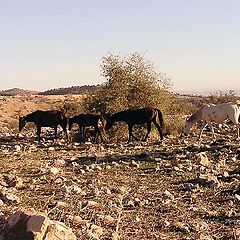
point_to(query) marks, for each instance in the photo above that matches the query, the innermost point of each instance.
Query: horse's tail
(160, 118)
(63, 118)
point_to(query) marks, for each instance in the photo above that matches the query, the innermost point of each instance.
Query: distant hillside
(16, 91)
(71, 90)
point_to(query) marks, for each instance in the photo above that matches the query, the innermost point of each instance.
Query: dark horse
(88, 120)
(136, 117)
(45, 119)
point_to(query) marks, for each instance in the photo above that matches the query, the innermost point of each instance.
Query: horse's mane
(29, 116)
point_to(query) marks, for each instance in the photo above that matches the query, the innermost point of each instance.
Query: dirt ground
(175, 189)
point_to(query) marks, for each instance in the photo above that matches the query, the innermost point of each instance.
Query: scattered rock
(17, 148)
(54, 170)
(8, 197)
(202, 159)
(78, 220)
(60, 162)
(107, 219)
(93, 204)
(95, 231)
(134, 164)
(61, 204)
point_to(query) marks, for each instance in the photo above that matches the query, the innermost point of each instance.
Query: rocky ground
(175, 189)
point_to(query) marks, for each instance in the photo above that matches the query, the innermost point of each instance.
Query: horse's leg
(237, 125)
(130, 130)
(212, 130)
(158, 128)
(81, 130)
(38, 132)
(98, 132)
(234, 119)
(129, 133)
(148, 131)
(95, 134)
(66, 133)
(130, 127)
(102, 134)
(65, 130)
(55, 132)
(201, 132)
(237, 115)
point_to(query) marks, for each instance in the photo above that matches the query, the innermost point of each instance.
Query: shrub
(73, 105)
(131, 82)
(221, 97)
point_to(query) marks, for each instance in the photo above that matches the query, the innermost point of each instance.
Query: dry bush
(132, 82)
(72, 105)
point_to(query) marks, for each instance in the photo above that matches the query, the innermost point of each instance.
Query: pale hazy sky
(56, 43)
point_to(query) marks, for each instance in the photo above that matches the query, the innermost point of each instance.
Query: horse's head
(21, 123)
(187, 127)
(108, 122)
(70, 123)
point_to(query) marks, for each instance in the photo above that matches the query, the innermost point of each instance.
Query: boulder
(29, 225)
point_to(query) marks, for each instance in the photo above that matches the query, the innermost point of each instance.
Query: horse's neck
(117, 117)
(75, 120)
(196, 116)
(29, 118)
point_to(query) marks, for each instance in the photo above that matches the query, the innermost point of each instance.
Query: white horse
(214, 113)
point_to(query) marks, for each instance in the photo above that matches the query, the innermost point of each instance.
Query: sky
(60, 43)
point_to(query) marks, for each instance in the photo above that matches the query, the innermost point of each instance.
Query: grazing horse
(136, 117)
(88, 120)
(45, 119)
(213, 113)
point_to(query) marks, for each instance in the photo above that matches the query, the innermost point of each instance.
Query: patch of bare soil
(175, 189)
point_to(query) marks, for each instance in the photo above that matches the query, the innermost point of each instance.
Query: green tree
(131, 82)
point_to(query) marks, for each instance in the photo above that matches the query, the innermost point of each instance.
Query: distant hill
(71, 90)
(16, 91)
(55, 91)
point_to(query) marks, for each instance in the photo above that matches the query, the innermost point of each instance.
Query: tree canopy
(131, 82)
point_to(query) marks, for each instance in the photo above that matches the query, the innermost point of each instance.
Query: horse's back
(49, 118)
(220, 112)
(227, 107)
(136, 116)
(86, 119)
